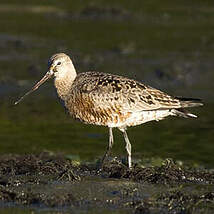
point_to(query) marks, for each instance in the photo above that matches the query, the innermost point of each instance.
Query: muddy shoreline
(53, 181)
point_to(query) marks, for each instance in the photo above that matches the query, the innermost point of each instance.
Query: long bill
(47, 76)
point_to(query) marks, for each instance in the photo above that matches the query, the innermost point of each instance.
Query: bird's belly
(120, 119)
(87, 112)
(137, 118)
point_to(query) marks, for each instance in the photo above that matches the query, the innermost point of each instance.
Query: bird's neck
(63, 84)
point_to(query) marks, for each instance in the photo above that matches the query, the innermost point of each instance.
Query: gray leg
(110, 144)
(128, 146)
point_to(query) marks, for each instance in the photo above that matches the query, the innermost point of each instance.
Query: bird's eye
(59, 63)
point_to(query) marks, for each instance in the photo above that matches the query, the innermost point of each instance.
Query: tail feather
(189, 102)
(183, 113)
(186, 103)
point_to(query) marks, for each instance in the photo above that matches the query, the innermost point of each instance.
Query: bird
(110, 100)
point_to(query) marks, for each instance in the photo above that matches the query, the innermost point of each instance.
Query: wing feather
(127, 95)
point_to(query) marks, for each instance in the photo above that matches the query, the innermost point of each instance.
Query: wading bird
(111, 100)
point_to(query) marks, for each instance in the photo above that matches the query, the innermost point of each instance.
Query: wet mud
(54, 181)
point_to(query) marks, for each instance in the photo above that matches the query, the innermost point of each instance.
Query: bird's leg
(128, 146)
(110, 144)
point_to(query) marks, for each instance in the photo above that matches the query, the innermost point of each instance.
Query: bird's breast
(89, 111)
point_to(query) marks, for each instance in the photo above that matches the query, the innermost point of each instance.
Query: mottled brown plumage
(111, 100)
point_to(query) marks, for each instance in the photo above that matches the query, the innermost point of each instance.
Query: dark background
(168, 45)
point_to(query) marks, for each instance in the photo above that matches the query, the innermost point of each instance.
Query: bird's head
(60, 67)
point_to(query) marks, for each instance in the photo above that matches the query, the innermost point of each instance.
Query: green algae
(169, 45)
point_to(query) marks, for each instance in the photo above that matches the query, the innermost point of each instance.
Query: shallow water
(154, 46)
